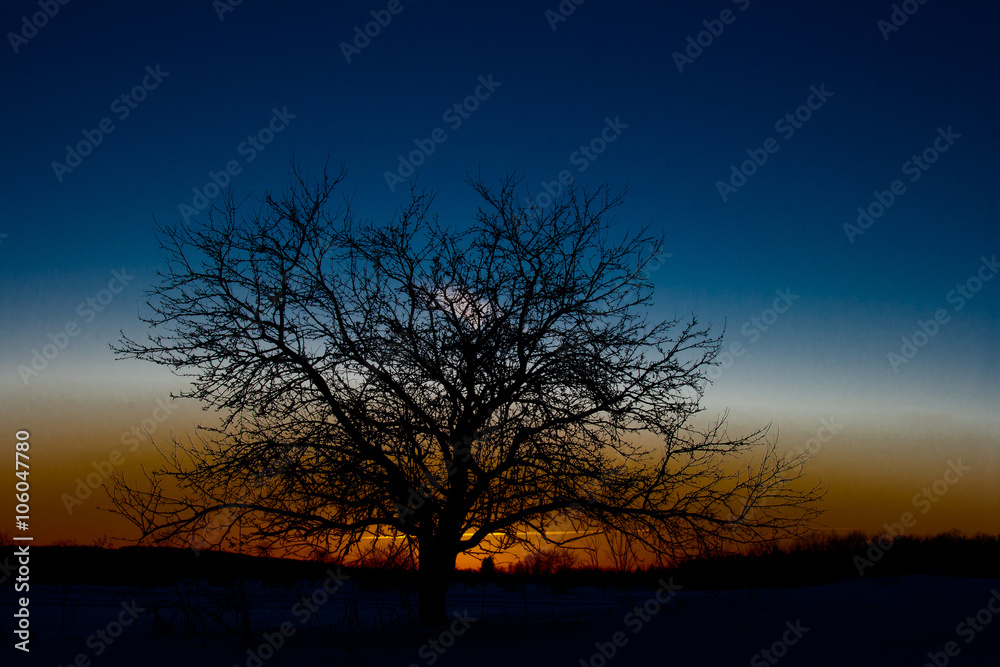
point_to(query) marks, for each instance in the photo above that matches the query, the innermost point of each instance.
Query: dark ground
(219, 609)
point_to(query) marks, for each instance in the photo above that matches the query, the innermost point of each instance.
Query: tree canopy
(448, 390)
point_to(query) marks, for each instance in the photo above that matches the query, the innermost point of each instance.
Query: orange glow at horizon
(874, 472)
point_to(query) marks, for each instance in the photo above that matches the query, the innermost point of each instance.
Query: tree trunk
(437, 565)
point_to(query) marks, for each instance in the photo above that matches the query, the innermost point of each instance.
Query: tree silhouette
(441, 390)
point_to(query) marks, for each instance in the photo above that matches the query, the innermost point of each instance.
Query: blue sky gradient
(889, 96)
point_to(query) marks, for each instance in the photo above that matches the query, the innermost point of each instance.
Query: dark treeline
(813, 560)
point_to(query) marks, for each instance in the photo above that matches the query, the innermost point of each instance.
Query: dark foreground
(908, 620)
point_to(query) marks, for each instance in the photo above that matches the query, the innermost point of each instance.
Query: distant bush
(826, 557)
(552, 561)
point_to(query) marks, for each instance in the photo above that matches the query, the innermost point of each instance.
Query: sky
(824, 174)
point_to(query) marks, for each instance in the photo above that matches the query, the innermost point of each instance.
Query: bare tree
(441, 390)
(621, 551)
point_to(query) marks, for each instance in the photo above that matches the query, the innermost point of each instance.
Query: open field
(876, 621)
(296, 613)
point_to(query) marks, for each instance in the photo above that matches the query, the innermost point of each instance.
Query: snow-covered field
(862, 622)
